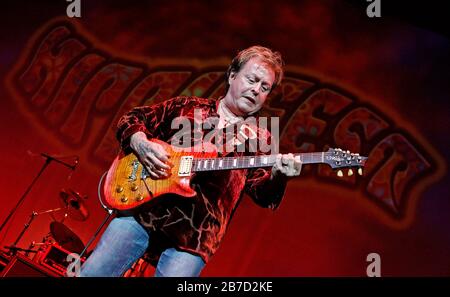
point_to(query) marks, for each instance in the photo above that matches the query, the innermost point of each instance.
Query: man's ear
(231, 77)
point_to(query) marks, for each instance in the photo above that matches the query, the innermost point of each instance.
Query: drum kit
(61, 241)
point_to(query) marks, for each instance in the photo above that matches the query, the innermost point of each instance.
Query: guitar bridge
(185, 166)
(134, 166)
(144, 173)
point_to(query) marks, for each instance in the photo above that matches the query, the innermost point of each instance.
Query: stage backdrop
(377, 86)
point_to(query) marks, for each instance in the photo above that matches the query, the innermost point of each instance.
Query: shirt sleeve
(147, 119)
(265, 192)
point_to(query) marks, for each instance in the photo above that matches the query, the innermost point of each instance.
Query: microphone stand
(47, 162)
(110, 214)
(27, 225)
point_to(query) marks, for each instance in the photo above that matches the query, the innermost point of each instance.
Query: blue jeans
(124, 242)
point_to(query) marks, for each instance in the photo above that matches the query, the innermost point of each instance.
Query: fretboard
(225, 163)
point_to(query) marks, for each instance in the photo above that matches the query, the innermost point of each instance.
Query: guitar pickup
(185, 166)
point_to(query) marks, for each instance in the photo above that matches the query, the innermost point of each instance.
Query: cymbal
(66, 237)
(73, 201)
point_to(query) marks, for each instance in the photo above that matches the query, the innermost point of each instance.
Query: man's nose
(255, 89)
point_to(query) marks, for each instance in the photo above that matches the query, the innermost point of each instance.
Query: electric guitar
(128, 184)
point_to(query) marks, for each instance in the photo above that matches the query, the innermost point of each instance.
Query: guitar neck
(224, 163)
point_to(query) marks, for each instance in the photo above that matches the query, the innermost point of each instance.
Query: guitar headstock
(339, 159)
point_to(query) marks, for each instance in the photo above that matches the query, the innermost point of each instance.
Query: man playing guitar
(178, 234)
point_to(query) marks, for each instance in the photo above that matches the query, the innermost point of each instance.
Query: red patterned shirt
(195, 225)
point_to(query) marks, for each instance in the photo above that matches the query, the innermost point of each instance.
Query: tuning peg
(350, 172)
(339, 173)
(360, 171)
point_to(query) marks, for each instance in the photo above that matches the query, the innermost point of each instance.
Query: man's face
(249, 87)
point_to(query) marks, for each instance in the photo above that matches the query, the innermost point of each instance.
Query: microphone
(54, 158)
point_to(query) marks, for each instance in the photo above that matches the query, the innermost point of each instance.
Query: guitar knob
(119, 189)
(124, 199)
(339, 173)
(350, 172)
(360, 171)
(139, 197)
(134, 187)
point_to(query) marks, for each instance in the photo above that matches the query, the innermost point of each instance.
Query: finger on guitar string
(157, 162)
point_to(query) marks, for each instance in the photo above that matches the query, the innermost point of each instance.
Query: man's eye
(264, 89)
(251, 80)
